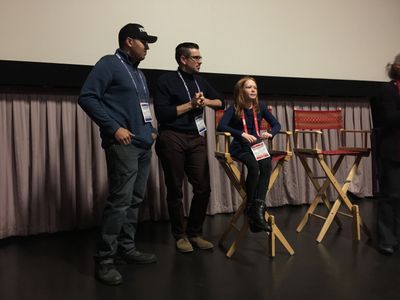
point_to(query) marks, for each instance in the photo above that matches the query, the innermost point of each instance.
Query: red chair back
(317, 119)
(265, 126)
(218, 116)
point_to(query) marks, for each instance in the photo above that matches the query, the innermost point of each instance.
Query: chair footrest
(234, 226)
(324, 218)
(344, 214)
(318, 216)
(319, 177)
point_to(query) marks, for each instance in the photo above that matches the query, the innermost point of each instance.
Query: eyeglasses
(196, 58)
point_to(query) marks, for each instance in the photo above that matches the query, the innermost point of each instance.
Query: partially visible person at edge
(116, 97)
(243, 121)
(386, 112)
(181, 146)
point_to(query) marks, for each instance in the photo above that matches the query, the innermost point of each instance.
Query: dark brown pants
(185, 153)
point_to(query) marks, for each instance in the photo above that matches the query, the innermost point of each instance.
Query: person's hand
(198, 100)
(201, 100)
(248, 137)
(195, 100)
(266, 135)
(123, 136)
(154, 136)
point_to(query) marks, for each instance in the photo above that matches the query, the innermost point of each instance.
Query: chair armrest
(288, 147)
(227, 136)
(315, 132)
(223, 133)
(308, 131)
(362, 131)
(285, 132)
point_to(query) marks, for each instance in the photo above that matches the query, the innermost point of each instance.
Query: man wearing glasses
(116, 97)
(181, 146)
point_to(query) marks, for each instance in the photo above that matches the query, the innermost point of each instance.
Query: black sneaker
(106, 272)
(136, 257)
(386, 249)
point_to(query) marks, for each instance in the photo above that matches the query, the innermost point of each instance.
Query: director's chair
(238, 224)
(317, 123)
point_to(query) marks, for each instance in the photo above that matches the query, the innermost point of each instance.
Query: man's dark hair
(122, 35)
(393, 71)
(183, 49)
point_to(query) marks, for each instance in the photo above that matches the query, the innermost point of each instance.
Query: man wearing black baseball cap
(116, 97)
(136, 31)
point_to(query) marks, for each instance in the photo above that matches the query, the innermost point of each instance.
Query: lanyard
(186, 87)
(133, 80)
(255, 123)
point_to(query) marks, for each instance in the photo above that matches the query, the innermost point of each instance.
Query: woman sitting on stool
(243, 121)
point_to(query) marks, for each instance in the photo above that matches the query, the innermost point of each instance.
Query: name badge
(146, 112)
(201, 126)
(260, 151)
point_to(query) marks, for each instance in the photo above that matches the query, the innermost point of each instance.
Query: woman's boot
(264, 209)
(255, 214)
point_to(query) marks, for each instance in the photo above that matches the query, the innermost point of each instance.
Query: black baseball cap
(135, 31)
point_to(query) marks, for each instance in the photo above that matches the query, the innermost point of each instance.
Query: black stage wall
(17, 74)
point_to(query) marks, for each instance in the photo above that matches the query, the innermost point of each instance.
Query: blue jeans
(128, 169)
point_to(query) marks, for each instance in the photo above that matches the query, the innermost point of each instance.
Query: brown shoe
(183, 245)
(201, 243)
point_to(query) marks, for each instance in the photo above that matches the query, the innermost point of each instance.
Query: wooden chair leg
(276, 233)
(306, 217)
(320, 194)
(232, 225)
(241, 234)
(342, 198)
(272, 245)
(356, 222)
(328, 220)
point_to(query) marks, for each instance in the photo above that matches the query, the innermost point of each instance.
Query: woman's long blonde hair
(238, 96)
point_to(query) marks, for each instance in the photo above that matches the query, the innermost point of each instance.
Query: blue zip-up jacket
(112, 99)
(230, 123)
